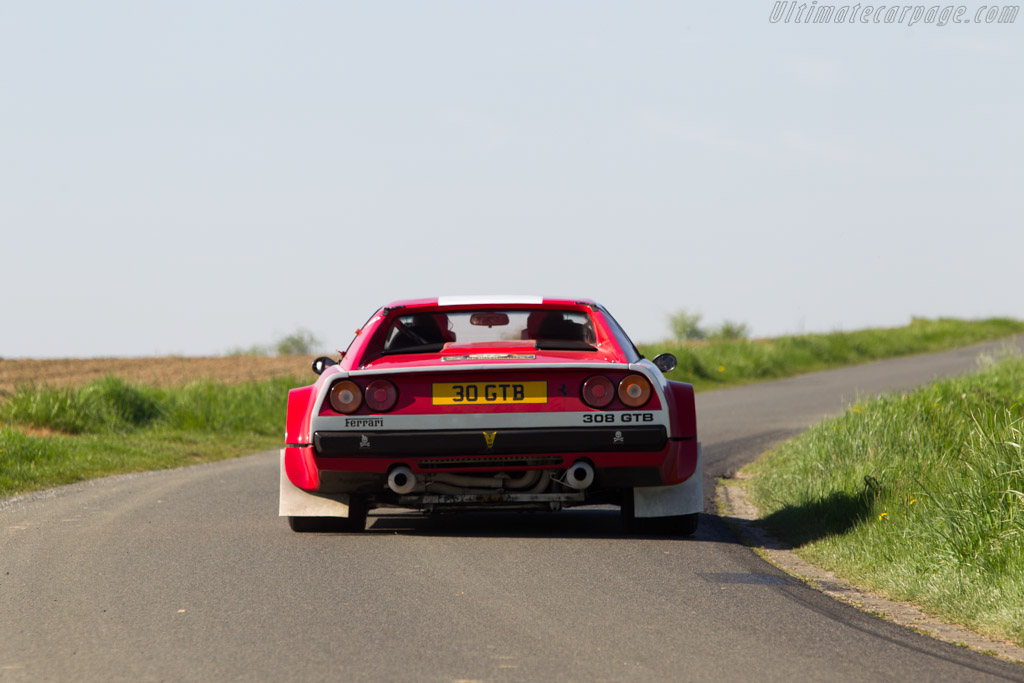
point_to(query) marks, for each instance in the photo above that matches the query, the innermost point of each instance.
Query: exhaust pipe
(401, 480)
(580, 475)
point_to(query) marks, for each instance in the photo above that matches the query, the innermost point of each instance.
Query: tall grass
(111, 405)
(918, 495)
(51, 436)
(257, 407)
(714, 363)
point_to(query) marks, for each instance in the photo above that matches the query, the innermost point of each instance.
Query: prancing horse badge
(489, 438)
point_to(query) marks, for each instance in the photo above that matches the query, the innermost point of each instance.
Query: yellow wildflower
(721, 368)
(884, 514)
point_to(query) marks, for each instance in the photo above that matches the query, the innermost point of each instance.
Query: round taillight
(598, 391)
(381, 395)
(634, 390)
(346, 397)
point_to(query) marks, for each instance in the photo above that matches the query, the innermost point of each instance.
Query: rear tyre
(356, 520)
(354, 523)
(686, 525)
(304, 525)
(677, 525)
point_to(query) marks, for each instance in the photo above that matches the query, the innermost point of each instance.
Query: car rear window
(548, 329)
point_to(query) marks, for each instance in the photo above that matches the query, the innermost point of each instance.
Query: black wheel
(357, 509)
(677, 525)
(629, 520)
(304, 525)
(354, 523)
(685, 525)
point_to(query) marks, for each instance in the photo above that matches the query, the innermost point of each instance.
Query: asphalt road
(190, 575)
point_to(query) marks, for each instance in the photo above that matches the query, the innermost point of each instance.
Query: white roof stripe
(507, 299)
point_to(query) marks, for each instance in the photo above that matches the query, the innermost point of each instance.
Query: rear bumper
(347, 467)
(492, 443)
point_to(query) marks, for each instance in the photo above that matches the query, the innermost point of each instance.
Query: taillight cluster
(380, 395)
(633, 390)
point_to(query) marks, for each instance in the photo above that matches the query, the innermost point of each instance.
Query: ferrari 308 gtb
(491, 403)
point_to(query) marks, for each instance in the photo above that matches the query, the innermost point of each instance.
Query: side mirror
(665, 362)
(322, 363)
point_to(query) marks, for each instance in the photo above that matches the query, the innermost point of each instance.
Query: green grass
(53, 436)
(715, 364)
(919, 496)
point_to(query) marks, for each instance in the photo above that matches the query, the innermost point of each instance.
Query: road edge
(737, 510)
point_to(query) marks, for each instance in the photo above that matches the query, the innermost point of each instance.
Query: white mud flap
(295, 502)
(668, 501)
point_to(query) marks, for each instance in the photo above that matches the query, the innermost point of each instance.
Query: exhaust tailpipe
(401, 480)
(580, 475)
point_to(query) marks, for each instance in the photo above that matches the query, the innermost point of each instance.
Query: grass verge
(715, 364)
(919, 496)
(59, 435)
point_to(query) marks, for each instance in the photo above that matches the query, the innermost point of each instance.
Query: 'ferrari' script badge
(489, 438)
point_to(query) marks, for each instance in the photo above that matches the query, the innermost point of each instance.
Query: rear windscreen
(548, 329)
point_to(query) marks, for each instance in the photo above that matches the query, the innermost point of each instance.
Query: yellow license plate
(489, 393)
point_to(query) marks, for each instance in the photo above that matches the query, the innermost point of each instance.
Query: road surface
(189, 575)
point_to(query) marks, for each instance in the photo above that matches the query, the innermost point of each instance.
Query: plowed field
(166, 371)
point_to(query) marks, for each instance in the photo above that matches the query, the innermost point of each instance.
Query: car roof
(493, 300)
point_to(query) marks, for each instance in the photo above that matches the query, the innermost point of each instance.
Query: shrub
(730, 330)
(686, 326)
(300, 343)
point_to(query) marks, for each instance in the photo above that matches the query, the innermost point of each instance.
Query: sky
(190, 178)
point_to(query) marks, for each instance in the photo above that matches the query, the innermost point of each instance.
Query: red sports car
(491, 403)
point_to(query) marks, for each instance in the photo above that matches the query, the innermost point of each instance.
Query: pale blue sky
(190, 177)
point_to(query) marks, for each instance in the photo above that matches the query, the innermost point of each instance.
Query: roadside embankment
(918, 496)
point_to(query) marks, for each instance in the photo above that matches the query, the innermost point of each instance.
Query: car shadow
(791, 526)
(578, 523)
(599, 523)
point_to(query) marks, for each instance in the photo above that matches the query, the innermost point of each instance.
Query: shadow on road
(595, 523)
(599, 523)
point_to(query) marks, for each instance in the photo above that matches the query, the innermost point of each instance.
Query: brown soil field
(164, 371)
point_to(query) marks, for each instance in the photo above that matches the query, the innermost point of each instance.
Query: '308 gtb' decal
(606, 418)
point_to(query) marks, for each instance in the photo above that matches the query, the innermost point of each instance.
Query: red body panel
(681, 407)
(301, 468)
(461, 355)
(301, 403)
(681, 462)
(675, 463)
(414, 391)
